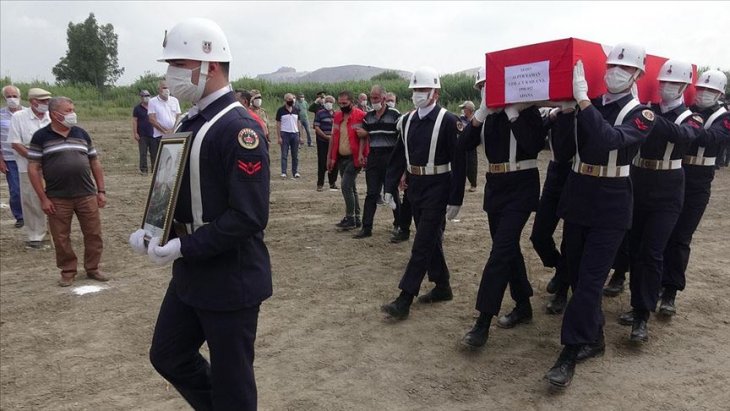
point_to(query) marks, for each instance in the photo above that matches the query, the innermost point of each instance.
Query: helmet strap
(202, 78)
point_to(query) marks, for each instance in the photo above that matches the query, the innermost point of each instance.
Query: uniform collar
(609, 98)
(221, 99)
(671, 105)
(430, 112)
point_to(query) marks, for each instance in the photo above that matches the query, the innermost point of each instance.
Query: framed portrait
(169, 168)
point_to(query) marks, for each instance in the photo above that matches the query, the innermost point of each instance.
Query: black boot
(347, 223)
(615, 285)
(626, 318)
(558, 302)
(596, 349)
(400, 236)
(521, 314)
(437, 294)
(365, 232)
(639, 329)
(562, 372)
(478, 335)
(666, 307)
(400, 308)
(553, 285)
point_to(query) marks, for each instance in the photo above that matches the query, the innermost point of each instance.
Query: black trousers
(546, 221)
(650, 232)
(227, 382)
(590, 252)
(427, 254)
(322, 165)
(375, 178)
(472, 161)
(676, 254)
(505, 265)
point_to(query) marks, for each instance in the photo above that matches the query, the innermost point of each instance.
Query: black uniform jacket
(225, 263)
(603, 201)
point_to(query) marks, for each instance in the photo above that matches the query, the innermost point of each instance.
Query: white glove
(567, 106)
(452, 211)
(554, 112)
(163, 255)
(481, 114)
(388, 199)
(513, 110)
(136, 241)
(580, 85)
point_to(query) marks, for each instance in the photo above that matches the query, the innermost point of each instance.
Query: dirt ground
(322, 341)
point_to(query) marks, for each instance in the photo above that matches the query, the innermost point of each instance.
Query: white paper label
(527, 82)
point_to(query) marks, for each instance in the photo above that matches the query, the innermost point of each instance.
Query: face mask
(145, 99)
(289, 103)
(364, 103)
(420, 98)
(390, 104)
(165, 92)
(463, 114)
(377, 106)
(706, 98)
(179, 80)
(69, 120)
(328, 106)
(42, 108)
(13, 102)
(618, 79)
(670, 91)
(346, 109)
(257, 102)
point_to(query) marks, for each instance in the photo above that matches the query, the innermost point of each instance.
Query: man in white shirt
(163, 111)
(8, 166)
(22, 127)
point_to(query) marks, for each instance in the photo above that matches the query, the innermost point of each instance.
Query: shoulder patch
(248, 139)
(460, 126)
(648, 114)
(698, 118)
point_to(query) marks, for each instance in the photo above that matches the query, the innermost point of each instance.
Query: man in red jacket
(344, 143)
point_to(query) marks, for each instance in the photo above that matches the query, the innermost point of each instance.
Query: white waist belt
(699, 161)
(658, 164)
(429, 171)
(499, 168)
(601, 171)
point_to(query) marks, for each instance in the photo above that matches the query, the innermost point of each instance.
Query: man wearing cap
(258, 109)
(467, 112)
(163, 111)
(221, 271)
(8, 166)
(142, 132)
(22, 127)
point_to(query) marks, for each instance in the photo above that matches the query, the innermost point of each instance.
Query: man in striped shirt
(63, 155)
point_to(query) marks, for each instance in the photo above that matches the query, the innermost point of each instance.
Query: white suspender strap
(196, 197)
(670, 145)
(405, 137)
(613, 154)
(576, 158)
(512, 149)
(550, 143)
(714, 117)
(683, 116)
(435, 138)
(484, 146)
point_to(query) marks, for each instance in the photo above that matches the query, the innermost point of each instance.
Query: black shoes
(666, 307)
(557, 304)
(553, 285)
(562, 372)
(363, 233)
(478, 335)
(587, 351)
(522, 314)
(400, 236)
(615, 285)
(437, 294)
(347, 223)
(639, 331)
(20, 223)
(626, 318)
(400, 308)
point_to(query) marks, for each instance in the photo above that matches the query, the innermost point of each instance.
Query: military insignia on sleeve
(459, 126)
(640, 124)
(248, 139)
(648, 114)
(726, 123)
(698, 119)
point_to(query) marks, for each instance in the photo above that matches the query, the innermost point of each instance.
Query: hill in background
(327, 74)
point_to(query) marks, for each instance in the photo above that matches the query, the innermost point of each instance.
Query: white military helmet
(626, 54)
(480, 78)
(676, 71)
(425, 77)
(196, 39)
(713, 79)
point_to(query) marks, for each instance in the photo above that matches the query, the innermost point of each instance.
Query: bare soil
(322, 341)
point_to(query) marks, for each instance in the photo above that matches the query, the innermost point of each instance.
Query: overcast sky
(450, 36)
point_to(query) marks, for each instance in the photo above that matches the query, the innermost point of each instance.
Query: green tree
(91, 57)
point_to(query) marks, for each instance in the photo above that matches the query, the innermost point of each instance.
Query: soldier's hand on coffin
(513, 110)
(165, 254)
(580, 85)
